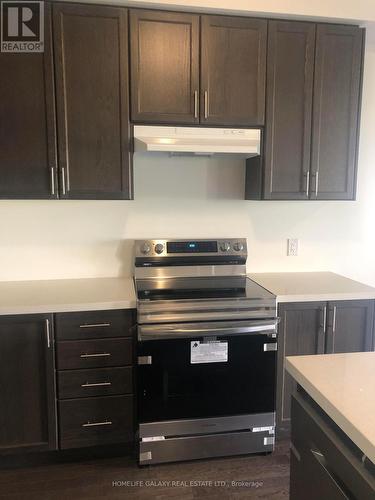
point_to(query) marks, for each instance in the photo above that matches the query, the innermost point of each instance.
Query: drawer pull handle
(95, 325)
(98, 355)
(98, 384)
(97, 424)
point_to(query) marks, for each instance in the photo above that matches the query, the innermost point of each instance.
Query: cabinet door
(301, 332)
(290, 70)
(27, 384)
(27, 122)
(91, 52)
(233, 70)
(164, 67)
(337, 86)
(350, 326)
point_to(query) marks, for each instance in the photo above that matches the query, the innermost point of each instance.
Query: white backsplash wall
(187, 197)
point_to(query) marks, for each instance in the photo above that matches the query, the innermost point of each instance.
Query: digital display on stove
(192, 247)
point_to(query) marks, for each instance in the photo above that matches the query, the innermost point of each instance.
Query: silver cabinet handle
(206, 104)
(334, 319)
(95, 325)
(48, 333)
(63, 180)
(98, 355)
(195, 103)
(316, 183)
(98, 384)
(97, 424)
(307, 183)
(145, 360)
(52, 171)
(325, 319)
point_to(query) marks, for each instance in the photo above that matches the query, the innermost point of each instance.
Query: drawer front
(94, 324)
(96, 421)
(95, 382)
(94, 353)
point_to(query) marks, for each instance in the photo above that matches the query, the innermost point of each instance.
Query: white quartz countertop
(67, 295)
(312, 286)
(343, 385)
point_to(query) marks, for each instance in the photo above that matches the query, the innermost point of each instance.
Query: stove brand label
(208, 352)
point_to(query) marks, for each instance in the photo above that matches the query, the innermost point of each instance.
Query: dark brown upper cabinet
(314, 77)
(164, 67)
(27, 122)
(233, 70)
(91, 65)
(338, 74)
(27, 384)
(290, 74)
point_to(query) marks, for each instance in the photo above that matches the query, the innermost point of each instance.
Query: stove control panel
(185, 248)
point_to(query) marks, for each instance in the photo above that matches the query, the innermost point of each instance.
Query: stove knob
(238, 246)
(159, 248)
(225, 246)
(146, 248)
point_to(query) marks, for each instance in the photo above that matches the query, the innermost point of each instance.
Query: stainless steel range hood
(197, 141)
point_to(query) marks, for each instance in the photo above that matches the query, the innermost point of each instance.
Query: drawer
(95, 353)
(95, 421)
(95, 382)
(94, 324)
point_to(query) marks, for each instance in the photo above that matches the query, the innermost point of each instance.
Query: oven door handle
(153, 332)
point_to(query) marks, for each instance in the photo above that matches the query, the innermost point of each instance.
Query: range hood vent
(197, 141)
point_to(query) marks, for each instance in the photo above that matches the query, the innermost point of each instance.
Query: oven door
(203, 370)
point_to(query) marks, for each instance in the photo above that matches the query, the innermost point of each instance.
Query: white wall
(187, 198)
(346, 10)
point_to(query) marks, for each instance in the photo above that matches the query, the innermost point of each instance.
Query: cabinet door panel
(27, 388)
(233, 69)
(290, 70)
(92, 101)
(164, 66)
(301, 332)
(336, 111)
(27, 122)
(350, 326)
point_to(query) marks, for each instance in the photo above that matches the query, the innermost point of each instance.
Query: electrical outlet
(292, 247)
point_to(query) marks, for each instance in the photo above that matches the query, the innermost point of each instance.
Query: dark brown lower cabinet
(301, 332)
(95, 378)
(27, 384)
(318, 328)
(324, 462)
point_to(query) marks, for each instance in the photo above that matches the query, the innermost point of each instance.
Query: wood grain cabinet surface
(27, 387)
(91, 64)
(314, 80)
(233, 71)
(164, 54)
(318, 328)
(28, 157)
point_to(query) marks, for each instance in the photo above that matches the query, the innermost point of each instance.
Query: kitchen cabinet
(164, 53)
(318, 328)
(91, 65)
(27, 122)
(233, 71)
(291, 48)
(350, 326)
(27, 384)
(168, 85)
(337, 84)
(314, 79)
(301, 332)
(95, 377)
(324, 462)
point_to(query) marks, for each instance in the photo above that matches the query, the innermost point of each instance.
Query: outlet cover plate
(292, 250)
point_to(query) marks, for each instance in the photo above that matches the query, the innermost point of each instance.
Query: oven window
(174, 388)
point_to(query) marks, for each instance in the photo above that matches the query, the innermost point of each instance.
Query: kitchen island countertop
(343, 385)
